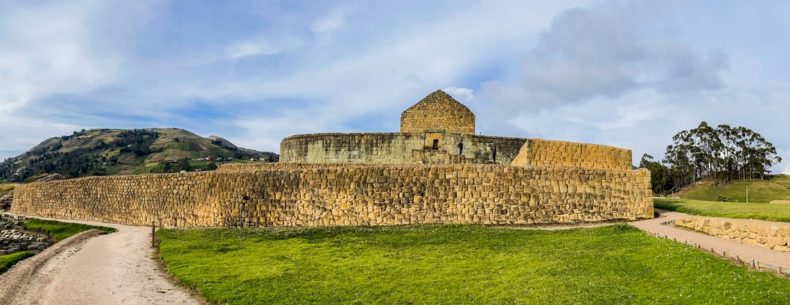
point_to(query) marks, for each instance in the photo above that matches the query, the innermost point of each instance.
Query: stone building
(437, 112)
(440, 130)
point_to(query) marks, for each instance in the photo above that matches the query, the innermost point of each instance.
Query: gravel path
(117, 268)
(720, 246)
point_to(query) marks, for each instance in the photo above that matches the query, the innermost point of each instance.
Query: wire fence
(751, 263)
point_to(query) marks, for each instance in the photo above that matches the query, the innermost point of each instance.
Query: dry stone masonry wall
(396, 148)
(312, 195)
(771, 235)
(546, 153)
(438, 111)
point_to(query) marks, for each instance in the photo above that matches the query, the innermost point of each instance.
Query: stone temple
(440, 130)
(436, 170)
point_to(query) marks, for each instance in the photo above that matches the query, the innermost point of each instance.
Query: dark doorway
(435, 144)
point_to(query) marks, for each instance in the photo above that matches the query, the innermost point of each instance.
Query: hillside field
(762, 211)
(762, 191)
(615, 264)
(98, 152)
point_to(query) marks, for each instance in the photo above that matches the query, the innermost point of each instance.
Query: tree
(660, 177)
(723, 153)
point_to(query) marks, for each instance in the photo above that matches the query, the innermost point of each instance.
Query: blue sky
(628, 74)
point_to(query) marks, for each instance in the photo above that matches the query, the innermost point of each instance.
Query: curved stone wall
(310, 195)
(548, 153)
(396, 148)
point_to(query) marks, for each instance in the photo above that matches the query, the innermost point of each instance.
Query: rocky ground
(5, 200)
(14, 238)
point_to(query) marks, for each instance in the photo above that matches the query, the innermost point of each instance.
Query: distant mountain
(118, 151)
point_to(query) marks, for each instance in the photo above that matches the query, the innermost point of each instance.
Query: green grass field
(764, 211)
(456, 265)
(60, 230)
(8, 260)
(763, 191)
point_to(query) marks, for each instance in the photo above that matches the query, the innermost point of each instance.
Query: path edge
(168, 275)
(16, 278)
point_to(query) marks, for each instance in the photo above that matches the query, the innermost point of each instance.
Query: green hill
(119, 151)
(777, 188)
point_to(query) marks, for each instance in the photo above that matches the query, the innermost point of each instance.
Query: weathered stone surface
(14, 237)
(438, 111)
(6, 200)
(771, 235)
(343, 195)
(395, 148)
(548, 153)
(440, 130)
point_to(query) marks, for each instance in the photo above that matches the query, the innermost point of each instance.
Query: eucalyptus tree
(723, 153)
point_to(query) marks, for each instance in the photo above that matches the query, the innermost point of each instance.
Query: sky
(624, 73)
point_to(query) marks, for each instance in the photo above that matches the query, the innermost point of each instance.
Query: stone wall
(394, 148)
(438, 112)
(771, 235)
(309, 195)
(547, 153)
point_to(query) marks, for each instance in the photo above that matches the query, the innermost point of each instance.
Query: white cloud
(329, 22)
(609, 73)
(604, 51)
(461, 94)
(261, 46)
(391, 72)
(45, 50)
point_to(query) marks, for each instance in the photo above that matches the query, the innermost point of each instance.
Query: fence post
(153, 234)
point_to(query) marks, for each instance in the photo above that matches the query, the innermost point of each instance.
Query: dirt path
(118, 268)
(720, 246)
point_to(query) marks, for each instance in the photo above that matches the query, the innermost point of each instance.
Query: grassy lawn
(456, 265)
(60, 230)
(764, 211)
(8, 260)
(764, 191)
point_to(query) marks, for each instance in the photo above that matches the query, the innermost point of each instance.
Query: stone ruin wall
(395, 148)
(410, 148)
(771, 235)
(547, 153)
(309, 195)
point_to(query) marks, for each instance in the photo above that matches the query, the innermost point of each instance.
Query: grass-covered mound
(763, 211)
(762, 191)
(9, 260)
(456, 265)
